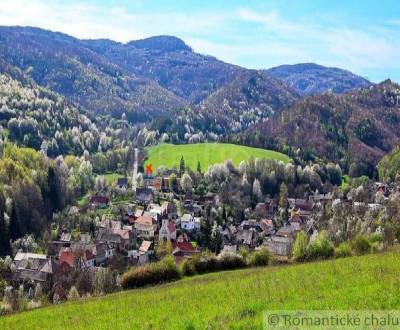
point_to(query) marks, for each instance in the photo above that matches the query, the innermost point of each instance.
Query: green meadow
(207, 153)
(232, 299)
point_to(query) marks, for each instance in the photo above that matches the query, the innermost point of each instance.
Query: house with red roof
(99, 201)
(167, 230)
(146, 226)
(183, 248)
(69, 258)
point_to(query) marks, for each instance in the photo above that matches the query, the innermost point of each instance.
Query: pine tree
(54, 189)
(15, 230)
(283, 203)
(4, 234)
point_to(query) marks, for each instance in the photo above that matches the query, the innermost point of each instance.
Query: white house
(187, 222)
(167, 230)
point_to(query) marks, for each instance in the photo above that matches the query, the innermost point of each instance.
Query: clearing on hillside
(170, 155)
(232, 299)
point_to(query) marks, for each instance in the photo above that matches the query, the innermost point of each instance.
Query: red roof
(146, 219)
(99, 199)
(183, 244)
(68, 257)
(171, 227)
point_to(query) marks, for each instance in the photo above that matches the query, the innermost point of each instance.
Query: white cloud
(241, 36)
(117, 23)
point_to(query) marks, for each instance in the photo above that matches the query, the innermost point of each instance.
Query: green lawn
(207, 153)
(234, 299)
(111, 178)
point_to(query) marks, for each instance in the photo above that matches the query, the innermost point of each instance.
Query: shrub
(361, 244)
(73, 294)
(187, 267)
(343, 250)
(321, 248)
(231, 261)
(300, 247)
(104, 281)
(244, 251)
(154, 273)
(259, 258)
(205, 264)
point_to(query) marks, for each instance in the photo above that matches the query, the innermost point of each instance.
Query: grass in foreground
(233, 299)
(207, 153)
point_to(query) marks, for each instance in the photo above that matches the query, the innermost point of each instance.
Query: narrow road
(135, 169)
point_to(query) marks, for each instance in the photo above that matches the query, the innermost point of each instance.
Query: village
(153, 220)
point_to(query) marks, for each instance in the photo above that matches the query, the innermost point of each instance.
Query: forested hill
(355, 129)
(150, 78)
(66, 65)
(312, 79)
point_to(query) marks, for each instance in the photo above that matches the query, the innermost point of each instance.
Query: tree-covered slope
(251, 97)
(312, 79)
(66, 65)
(355, 129)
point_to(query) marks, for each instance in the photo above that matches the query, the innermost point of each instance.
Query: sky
(360, 36)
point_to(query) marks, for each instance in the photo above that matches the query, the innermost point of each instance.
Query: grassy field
(111, 178)
(235, 299)
(207, 153)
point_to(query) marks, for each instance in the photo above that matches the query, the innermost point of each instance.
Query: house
(280, 245)
(54, 247)
(104, 251)
(145, 247)
(146, 226)
(207, 198)
(296, 221)
(286, 231)
(271, 206)
(268, 226)
(32, 266)
(98, 201)
(169, 210)
(114, 232)
(194, 209)
(155, 210)
(144, 196)
(247, 237)
(76, 258)
(183, 248)
(300, 204)
(167, 230)
(188, 199)
(228, 234)
(122, 184)
(65, 237)
(253, 224)
(187, 222)
(261, 210)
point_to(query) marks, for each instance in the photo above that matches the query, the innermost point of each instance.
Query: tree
(283, 203)
(257, 189)
(15, 230)
(55, 194)
(173, 183)
(300, 247)
(186, 182)
(4, 233)
(198, 166)
(182, 166)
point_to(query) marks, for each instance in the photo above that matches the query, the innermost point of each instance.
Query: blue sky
(361, 36)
